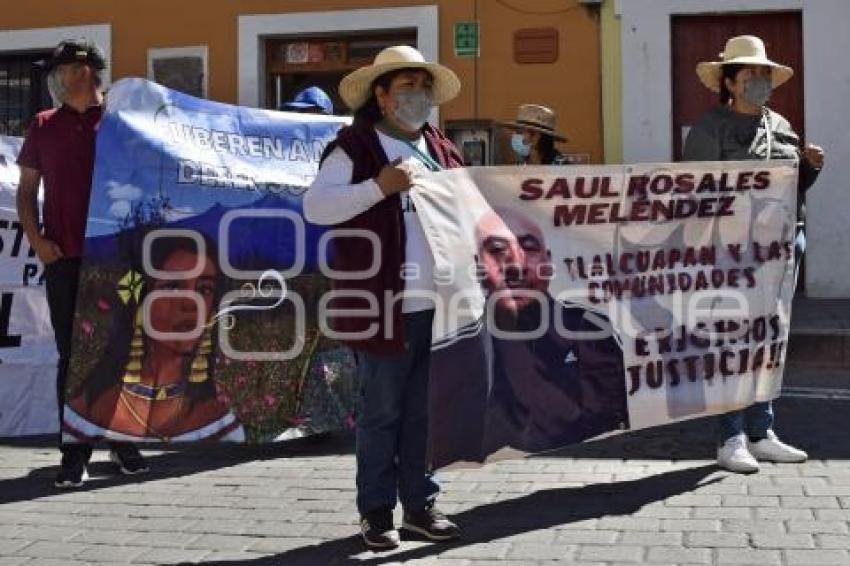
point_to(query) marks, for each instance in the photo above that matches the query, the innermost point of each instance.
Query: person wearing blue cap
(311, 100)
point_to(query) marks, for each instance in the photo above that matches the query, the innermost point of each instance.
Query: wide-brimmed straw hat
(356, 87)
(537, 118)
(742, 50)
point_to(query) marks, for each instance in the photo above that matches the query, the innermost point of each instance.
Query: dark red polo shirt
(60, 145)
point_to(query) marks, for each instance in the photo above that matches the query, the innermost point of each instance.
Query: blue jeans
(757, 419)
(392, 424)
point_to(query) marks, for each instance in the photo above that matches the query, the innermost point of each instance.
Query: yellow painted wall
(571, 85)
(612, 87)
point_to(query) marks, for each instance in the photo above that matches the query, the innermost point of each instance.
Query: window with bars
(23, 91)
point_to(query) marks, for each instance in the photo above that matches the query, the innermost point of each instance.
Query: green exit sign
(466, 39)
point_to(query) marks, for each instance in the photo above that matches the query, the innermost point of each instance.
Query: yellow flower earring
(129, 289)
(200, 365)
(133, 371)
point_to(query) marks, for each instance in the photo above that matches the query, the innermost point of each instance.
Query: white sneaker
(735, 457)
(771, 449)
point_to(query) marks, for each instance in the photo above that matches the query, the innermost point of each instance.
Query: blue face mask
(519, 146)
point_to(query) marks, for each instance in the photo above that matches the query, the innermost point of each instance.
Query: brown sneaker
(378, 530)
(71, 475)
(128, 459)
(431, 524)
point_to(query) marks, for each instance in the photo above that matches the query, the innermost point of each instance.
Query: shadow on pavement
(542, 509)
(815, 425)
(175, 462)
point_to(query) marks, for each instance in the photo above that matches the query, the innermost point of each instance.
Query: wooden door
(703, 37)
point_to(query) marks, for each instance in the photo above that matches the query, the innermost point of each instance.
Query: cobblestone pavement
(652, 497)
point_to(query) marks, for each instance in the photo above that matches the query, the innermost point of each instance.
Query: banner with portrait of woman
(198, 290)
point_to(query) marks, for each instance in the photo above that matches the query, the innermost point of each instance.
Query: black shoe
(71, 474)
(430, 523)
(378, 530)
(128, 459)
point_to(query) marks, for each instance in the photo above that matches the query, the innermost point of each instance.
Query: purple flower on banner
(87, 327)
(103, 305)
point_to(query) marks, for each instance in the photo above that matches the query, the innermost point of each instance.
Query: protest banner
(578, 301)
(571, 302)
(195, 316)
(27, 351)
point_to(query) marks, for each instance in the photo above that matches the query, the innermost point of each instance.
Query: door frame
(647, 110)
(647, 67)
(789, 101)
(253, 29)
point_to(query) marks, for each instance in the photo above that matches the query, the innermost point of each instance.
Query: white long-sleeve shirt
(333, 199)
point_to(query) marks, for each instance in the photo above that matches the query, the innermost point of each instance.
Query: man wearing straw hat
(385, 314)
(742, 127)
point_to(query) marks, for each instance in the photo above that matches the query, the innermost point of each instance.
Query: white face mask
(56, 87)
(412, 107)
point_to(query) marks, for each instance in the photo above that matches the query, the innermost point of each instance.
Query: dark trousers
(392, 424)
(62, 279)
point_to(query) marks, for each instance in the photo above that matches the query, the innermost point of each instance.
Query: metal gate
(23, 91)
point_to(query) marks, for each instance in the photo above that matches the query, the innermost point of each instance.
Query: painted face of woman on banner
(179, 314)
(513, 258)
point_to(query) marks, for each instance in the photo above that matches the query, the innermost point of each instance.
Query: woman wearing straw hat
(743, 127)
(534, 136)
(383, 276)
